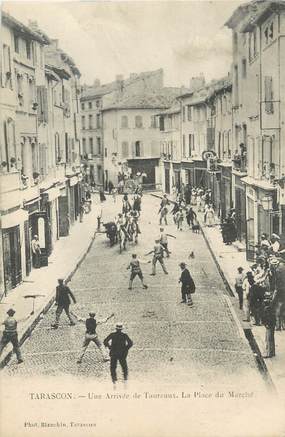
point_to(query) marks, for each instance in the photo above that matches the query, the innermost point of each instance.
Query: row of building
(40, 164)
(227, 135)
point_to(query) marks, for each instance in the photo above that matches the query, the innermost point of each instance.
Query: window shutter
(45, 104)
(141, 149)
(268, 94)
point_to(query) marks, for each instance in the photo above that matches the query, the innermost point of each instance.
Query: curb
(44, 309)
(247, 332)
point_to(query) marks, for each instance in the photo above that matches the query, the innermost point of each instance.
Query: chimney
(33, 25)
(197, 82)
(133, 76)
(54, 43)
(96, 83)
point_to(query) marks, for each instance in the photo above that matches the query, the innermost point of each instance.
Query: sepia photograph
(142, 218)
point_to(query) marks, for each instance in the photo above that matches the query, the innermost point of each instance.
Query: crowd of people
(261, 290)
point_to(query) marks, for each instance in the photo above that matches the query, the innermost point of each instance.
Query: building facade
(258, 114)
(32, 180)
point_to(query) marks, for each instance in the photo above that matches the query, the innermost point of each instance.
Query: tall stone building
(39, 98)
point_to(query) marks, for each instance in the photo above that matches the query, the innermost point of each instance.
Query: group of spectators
(261, 290)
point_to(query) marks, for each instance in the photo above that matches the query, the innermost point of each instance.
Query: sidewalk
(228, 259)
(67, 255)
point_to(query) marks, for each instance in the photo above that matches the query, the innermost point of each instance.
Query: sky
(106, 38)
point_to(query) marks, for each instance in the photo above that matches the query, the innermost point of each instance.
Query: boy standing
(136, 271)
(240, 277)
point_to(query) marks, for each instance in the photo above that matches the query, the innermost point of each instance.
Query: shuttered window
(268, 94)
(42, 98)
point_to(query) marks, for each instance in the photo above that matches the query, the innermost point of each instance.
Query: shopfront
(12, 226)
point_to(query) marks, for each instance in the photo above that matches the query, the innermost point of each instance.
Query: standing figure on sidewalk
(136, 270)
(36, 251)
(91, 335)
(10, 335)
(269, 321)
(240, 277)
(279, 289)
(209, 215)
(62, 301)
(188, 285)
(164, 241)
(81, 211)
(102, 195)
(119, 344)
(157, 251)
(114, 194)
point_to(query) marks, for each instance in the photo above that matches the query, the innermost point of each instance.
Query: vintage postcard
(142, 218)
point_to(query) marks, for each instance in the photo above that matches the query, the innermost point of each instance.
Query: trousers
(113, 366)
(11, 338)
(58, 312)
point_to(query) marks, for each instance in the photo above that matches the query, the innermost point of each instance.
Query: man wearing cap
(136, 270)
(10, 335)
(119, 344)
(91, 335)
(62, 301)
(36, 251)
(188, 285)
(157, 251)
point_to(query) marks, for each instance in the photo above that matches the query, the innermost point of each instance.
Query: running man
(164, 241)
(157, 251)
(91, 335)
(136, 270)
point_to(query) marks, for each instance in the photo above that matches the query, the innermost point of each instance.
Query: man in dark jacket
(188, 285)
(62, 301)
(119, 344)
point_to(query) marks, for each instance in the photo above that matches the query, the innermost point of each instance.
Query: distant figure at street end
(10, 335)
(36, 251)
(62, 301)
(187, 285)
(119, 344)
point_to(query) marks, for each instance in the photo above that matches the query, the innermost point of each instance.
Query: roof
(57, 60)
(101, 90)
(208, 91)
(174, 109)
(253, 12)
(160, 99)
(24, 30)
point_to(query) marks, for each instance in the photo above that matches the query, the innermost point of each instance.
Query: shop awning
(14, 219)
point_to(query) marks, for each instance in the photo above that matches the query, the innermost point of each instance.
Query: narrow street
(173, 343)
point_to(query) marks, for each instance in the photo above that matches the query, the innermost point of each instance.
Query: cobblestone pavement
(173, 343)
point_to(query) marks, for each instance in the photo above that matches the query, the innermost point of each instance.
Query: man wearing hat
(10, 335)
(91, 335)
(188, 285)
(62, 301)
(119, 344)
(240, 277)
(36, 251)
